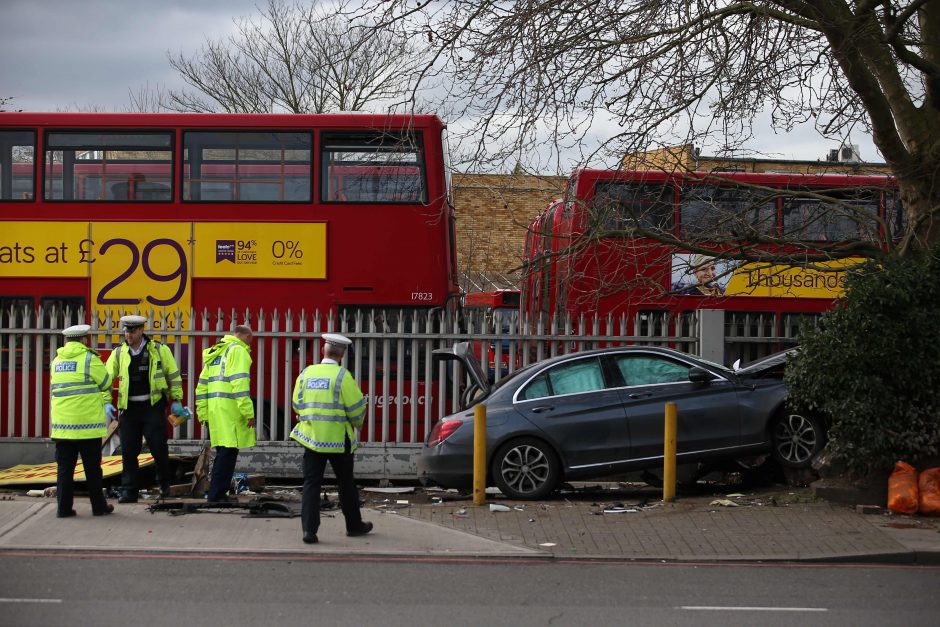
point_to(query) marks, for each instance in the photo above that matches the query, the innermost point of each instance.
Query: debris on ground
(496, 507)
(390, 504)
(620, 509)
(401, 490)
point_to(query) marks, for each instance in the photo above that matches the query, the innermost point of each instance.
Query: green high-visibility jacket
(163, 373)
(330, 408)
(79, 387)
(223, 396)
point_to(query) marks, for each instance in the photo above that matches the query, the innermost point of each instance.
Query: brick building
(493, 212)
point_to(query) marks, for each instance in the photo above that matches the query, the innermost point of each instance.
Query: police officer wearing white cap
(79, 387)
(330, 409)
(147, 377)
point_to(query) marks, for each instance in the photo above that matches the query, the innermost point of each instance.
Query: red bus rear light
(443, 430)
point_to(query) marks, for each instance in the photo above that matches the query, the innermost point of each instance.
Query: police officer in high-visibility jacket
(223, 400)
(148, 376)
(330, 409)
(79, 387)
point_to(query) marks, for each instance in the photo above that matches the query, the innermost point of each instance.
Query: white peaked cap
(77, 330)
(337, 340)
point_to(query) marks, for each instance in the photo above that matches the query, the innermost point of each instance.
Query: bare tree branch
(528, 79)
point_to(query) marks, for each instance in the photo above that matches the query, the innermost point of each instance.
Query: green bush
(872, 366)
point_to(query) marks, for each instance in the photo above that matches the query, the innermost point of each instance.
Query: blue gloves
(177, 408)
(109, 411)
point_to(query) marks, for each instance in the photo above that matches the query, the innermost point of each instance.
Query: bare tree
(535, 75)
(6, 102)
(292, 58)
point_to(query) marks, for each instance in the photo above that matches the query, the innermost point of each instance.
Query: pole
(669, 453)
(479, 454)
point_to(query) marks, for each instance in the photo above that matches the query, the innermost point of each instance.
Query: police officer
(148, 376)
(330, 409)
(223, 400)
(79, 387)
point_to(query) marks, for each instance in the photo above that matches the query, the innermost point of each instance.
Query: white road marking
(725, 608)
(30, 600)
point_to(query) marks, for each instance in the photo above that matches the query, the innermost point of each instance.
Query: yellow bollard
(669, 454)
(479, 454)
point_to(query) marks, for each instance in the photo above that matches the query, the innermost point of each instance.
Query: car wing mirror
(699, 375)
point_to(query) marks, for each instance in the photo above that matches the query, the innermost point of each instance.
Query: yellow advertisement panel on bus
(45, 249)
(139, 266)
(702, 275)
(260, 250)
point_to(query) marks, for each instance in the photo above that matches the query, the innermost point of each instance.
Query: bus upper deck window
(247, 166)
(373, 167)
(17, 165)
(108, 166)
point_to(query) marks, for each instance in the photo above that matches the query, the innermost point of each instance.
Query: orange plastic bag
(929, 485)
(902, 489)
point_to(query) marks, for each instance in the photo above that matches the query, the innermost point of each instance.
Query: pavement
(602, 522)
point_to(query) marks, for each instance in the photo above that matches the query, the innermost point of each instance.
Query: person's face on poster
(706, 273)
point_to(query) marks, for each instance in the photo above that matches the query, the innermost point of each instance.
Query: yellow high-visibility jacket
(223, 396)
(163, 373)
(79, 387)
(330, 408)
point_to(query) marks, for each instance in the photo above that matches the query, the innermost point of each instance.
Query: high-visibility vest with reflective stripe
(330, 408)
(163, 374)
(223, 394)
(79, 387)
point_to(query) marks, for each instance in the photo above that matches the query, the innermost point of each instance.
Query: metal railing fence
(391, 356)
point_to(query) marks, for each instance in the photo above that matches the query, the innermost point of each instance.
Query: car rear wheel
(526, 469)
(796, 439)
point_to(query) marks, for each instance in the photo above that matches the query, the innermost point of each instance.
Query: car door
(709, 418)
(573, 404)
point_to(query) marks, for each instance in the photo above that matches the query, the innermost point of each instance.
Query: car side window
(650, 370)
(538, 388)
(583, 375)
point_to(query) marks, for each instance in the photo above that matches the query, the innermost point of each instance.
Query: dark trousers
(314, 466)
(66, 457)
(142, 420)
(223, 469)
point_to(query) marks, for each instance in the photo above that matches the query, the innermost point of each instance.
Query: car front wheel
(796, 439)
(526, 469)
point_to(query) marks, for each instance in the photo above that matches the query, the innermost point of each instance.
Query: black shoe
(65, 513)
(107, 510)
(311, 538)
(361, 530)
(127, 498)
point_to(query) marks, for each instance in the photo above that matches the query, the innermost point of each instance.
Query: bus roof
(220, 120)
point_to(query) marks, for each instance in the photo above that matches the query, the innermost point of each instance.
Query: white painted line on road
(30, 600)
(726, 608)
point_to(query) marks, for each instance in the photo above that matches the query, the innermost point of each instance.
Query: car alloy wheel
(526, 469)
(796, 439)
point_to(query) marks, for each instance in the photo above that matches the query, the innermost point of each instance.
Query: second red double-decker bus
(628, 242)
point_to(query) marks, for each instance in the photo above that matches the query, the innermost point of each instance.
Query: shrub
(872, 366)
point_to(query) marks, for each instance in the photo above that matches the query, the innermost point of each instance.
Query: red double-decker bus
(495, 312)
(337, 213)
(583, 257)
